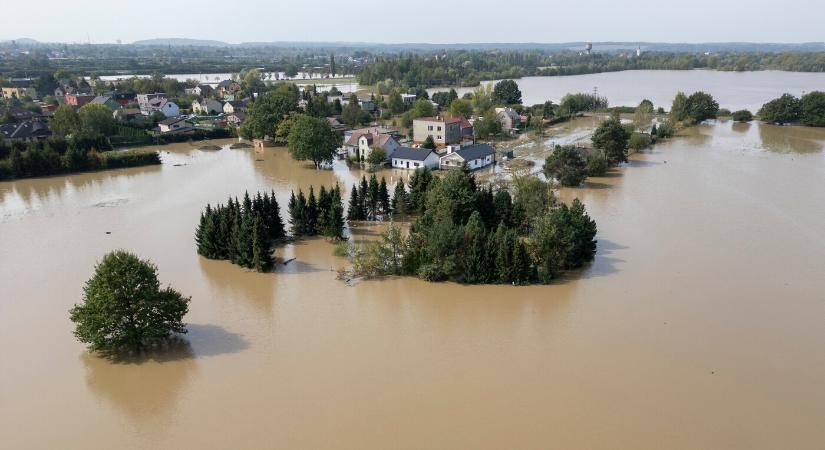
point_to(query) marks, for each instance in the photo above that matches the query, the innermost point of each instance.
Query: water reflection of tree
(231, 282)
(146, 386)
(790, 139)
(34, 190)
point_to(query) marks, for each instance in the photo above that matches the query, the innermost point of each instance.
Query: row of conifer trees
(241, 232)
(321, 216)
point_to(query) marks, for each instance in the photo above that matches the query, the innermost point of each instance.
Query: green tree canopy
(65, 121)
(124, 307)
(813, 109)
(566, 165)
(313, 139)
(743, 115)
(701, 106)
(97, 119)
(785, 109)
(613, 138)
(507, 92)
(267, 112)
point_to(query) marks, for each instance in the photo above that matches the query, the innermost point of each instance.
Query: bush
(723, 112)
(597, 164)
(665, 130)
(813, 109)
(639, 141)
(743, 115)
(431, 272)
(785, 109)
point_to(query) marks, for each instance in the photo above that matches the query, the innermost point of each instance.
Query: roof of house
(236, 103)
(240, 115)
(25, 130)
(442, 119)
(475, 151)
(20, 82)
(414, 154)
(101, 99)
(128, 112)
(171, 121)
(373, 139)
(465, 123)
(18, 113)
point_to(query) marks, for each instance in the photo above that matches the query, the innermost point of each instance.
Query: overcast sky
(435, 21)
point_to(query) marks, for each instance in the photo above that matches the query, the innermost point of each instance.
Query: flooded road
(699, 324)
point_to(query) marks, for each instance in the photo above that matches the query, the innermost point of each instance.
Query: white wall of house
(431, 161)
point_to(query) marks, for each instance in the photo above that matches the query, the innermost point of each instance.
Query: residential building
(207, 107)
(373, 130)
(201, 90)
(474, 156)
(19, 88)
(509, 118)
(235, 119)
(227, 88)
(107, 101)
(408, 99)
(443, 130)
(25, 132)
(361, 145)
(77, 100)
(127, 114)
(414, 158)
(367, 105)
(162, 104)
(19, 115)
(233, 106)
(174, 125)
(143, 99)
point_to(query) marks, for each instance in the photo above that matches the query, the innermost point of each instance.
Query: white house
(414, 158)
(475, 156)
(361, 145)
(509, 119)
(207, 107)
(175, 125)
(162, 104)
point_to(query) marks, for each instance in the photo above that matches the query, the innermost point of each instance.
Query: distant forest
(413, 65)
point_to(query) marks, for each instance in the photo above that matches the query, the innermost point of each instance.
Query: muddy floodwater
(733, 90)
(700, 324)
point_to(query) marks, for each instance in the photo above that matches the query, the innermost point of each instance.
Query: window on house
(439, 128)
(430, 128)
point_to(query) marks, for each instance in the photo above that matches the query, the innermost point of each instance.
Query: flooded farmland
(698, 325)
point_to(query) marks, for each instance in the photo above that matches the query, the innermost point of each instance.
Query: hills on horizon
(609, 46)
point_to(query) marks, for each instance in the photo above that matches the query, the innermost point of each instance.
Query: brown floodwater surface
(698, 325)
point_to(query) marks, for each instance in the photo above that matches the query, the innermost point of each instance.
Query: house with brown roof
(78, 100)
(443, 130)
(361, 145)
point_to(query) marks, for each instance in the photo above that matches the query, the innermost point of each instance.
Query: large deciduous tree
(124, 308)
(507, 92)
(312, 139)
(613, 138)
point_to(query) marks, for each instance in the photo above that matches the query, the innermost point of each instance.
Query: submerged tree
(124, 308)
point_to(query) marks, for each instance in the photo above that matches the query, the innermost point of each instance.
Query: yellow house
(19, 88)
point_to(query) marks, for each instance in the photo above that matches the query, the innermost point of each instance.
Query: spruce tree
(521, 264)
(400, 200)
(275, 224)
(261, 258)
(362, 199)
(324, 202)
(200, 232)
(505, 241)
(384, 197)
(311, 223)
(354, 207)
(372, 198)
